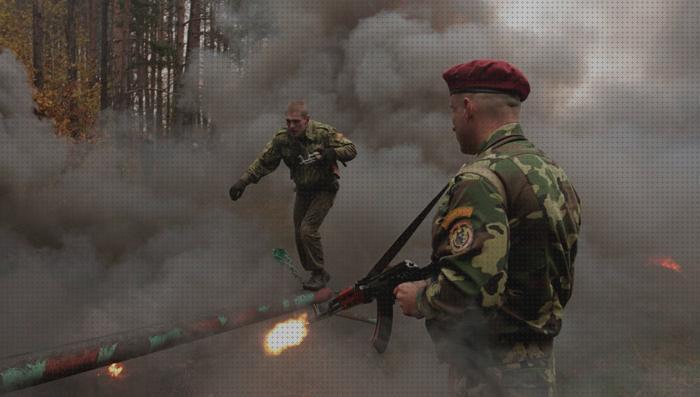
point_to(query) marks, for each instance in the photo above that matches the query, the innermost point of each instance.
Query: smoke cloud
(107, 237)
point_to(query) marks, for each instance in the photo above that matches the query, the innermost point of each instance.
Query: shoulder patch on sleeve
(461, 237)
(461, 212)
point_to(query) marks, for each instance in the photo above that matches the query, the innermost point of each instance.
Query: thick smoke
(132, 232)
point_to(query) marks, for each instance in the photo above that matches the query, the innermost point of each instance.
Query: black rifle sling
(404, 237)
(385, 303)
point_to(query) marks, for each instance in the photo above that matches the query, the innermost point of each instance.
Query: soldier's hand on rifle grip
(406, 295)
(237, 189)
(329, 154)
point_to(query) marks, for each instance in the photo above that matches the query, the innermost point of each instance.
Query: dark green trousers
(310, 208)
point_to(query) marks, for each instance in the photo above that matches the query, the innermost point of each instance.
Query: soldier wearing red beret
(505, 235)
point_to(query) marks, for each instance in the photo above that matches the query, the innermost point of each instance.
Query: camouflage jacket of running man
(507, 261)
(307, 177)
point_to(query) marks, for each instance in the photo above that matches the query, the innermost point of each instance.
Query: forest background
(143, 50)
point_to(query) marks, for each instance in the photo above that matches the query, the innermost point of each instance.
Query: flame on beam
(285, 335)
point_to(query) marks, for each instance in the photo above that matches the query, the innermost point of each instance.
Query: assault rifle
(381, 280)
(379, 287)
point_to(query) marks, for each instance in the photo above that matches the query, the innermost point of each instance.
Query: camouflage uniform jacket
(309, 177)
(507, 261)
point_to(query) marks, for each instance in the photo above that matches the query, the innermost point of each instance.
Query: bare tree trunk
(179, 36)
(104, 54)
(152, 80)
(213, 36)
(170, 67)
(121, 24)
(204, 24)
(141, 74)
(72, 49)
(38, 44)
(72, 53)
(159, 70)
(193, 37)
(49, 48)
(193, 46)
(118, 59)
(194, 31)
(179, 55)
(92, 42)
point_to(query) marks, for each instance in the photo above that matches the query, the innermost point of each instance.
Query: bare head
(476, 115)
(297, 118)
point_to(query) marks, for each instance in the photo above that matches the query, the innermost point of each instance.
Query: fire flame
(667, 263)
(286, 334)
(115, 370)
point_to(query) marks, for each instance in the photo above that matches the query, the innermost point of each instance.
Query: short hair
(298, 106)
(495, 100)
(496, 105)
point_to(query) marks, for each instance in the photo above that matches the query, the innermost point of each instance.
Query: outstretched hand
(236, 190)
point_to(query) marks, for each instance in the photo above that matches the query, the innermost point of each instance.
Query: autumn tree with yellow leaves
(87, 55)
(38, 32)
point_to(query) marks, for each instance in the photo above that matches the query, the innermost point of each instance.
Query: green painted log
(38, 368)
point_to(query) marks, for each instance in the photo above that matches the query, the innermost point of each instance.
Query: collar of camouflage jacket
(309, 128)
(499, 134)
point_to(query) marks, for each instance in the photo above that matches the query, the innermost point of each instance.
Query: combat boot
(318, 280)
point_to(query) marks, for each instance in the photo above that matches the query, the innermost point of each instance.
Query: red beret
(487, 75)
